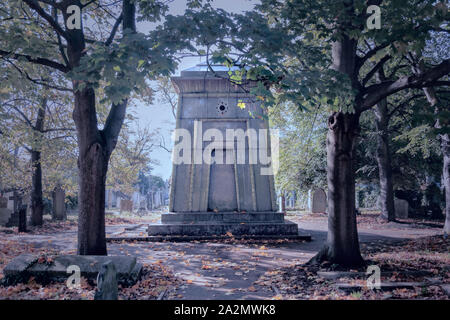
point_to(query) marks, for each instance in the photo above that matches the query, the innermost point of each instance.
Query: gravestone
(126, 205)
(401, 208)
(220, 185)
(59, 205)
(16, 216)
(5, 212)
(319, 201)
(3, 202)
(107, 283)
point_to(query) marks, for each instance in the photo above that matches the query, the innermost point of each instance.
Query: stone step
(217, 217)
(203, 229)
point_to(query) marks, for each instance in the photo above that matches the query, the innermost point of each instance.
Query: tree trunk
(95, 148)
(384, 161)
(93, 166)
(342, 245)
(37, 204)
(445, 147)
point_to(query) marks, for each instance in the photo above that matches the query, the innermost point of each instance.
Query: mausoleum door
(222, 186)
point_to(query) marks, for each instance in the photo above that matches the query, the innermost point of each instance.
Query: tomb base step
(225, 217)
(206, 229)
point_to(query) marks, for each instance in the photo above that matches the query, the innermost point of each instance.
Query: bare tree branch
(376, 92)
(33, 4)
(39, 82)
(361, 60)
(41, 61)
(375, 69)
(114, 30)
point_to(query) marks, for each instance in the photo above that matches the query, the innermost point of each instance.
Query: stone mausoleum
(220, 186)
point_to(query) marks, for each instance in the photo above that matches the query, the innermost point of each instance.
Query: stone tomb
(226, 195)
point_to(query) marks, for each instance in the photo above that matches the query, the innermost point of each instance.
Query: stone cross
(17, 201)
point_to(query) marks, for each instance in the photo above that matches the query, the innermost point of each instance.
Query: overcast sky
(159, 115)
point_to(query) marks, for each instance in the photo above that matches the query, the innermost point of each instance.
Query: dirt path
(228, 270)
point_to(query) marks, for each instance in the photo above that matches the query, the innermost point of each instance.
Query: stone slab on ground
(54, 268)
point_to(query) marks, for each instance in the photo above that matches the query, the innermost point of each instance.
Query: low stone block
(54, 268)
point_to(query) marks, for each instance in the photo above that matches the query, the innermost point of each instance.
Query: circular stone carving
(222, 107)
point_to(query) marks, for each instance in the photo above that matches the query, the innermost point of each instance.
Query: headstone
(3, 202)
(126, 205)
(5, 213)
(107, 283)
(401, 208)
(59, 206)
(319, 201)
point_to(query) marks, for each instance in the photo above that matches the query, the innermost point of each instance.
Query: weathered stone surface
(319, 201)
(401, 208)
(208, 102)
(26, 265)
(188, 217)
(107, 283)
(199, 229)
